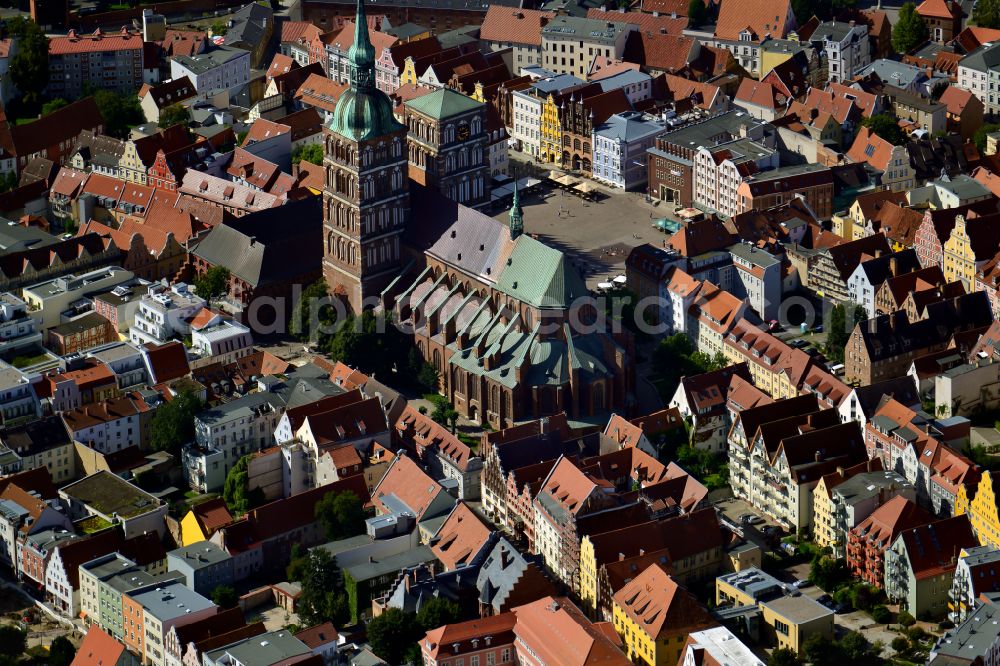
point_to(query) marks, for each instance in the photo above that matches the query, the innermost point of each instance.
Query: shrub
(916, 634)
(881, 614)
(906, 619)
(900, 644)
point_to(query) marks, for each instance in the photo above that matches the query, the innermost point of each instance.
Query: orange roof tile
(660, 606)
(762, 17)
(461, 538)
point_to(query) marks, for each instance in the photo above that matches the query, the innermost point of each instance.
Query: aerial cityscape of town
(469, 333)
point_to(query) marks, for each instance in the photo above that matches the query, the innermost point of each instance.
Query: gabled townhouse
(742, 27)
(900, 437)
(978, 502)
(447, 456)
(868, 542)
(937, 226)
(518, 29)
(893, 161)
(62, 572)
(870, 274)
(884, 346)
(963, 111)
(463, 539)
(830, 269)
(979, 74)
(920, 565)
(842, 499)
(893, 293)
(711, 316)
(152, 610)
(100, 649)
(711, 401)
(407, 489)
(110, 425)
(654, 615)
(691, 547)
(777, 369)
(785, 458)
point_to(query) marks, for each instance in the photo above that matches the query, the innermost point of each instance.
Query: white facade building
(223, 68)
(164, 314)
(620, 145)
(846, 46)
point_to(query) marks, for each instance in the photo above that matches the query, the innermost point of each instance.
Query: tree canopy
(887, 127)
(323, 598)
(341, 515)
(225, 596)
(29, 67)
(61, 652)
(393, 636)
(213, 283)
(697, 13)
(979, 138)
(312, 153)
(13, 641)
(675, 358)
(839, 329)
(986, 14)
(784, 657)
(175, 114)
(910, 30)
(120, 111)
(236, 492)
(173, 423)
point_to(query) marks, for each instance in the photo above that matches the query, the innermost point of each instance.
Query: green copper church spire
(516, 214)
(363, 112)
(361, 55)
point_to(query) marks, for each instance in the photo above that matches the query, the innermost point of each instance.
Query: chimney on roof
(893, 266)
(621, 557)
(504, 557)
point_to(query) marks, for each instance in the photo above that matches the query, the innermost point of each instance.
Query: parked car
(799, 584)
(789, 548)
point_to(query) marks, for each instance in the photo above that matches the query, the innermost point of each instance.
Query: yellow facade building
(551, 132)
(654, 615)
(982, 509)
(959, 258)
(788, 621)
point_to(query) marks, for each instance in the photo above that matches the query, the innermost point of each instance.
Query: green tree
(219, 28)
(8, 181)
(29, 68)
(864, 597)
(120, 111)
(312, 299)
(214, 282)
(53, 105)
(979, 138)
(225, 596)
(839, 328)
(820, 650)
(881, 614)
(784, 657)
(905, 619)
(856, 648)
(61, 652)
(697, 13)
(341, 515)
(887, 127)
(444, 413)
(986, 14)
(910, 30)
(427, 377)
(826, 572)
(323, 598)
(392, 635)
(900, 644)
(236, 492)
(175, 114)
(437, 612)
(13, 641)
(312, 153)
(173, 423)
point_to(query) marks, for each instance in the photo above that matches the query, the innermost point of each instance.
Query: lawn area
(93, 525)
(28, 360)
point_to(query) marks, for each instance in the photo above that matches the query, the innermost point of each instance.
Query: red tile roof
(167, 361)
(98, 649)
(212, 515)
(933, 549)
(940, 9)
(95, 43)
(409, 484)
(660, 607)
(461, 538)
(762, 17)
(514, 25)
(559, 633)
(870, 147)
(664, 24)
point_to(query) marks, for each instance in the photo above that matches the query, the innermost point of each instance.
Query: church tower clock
(366, 199)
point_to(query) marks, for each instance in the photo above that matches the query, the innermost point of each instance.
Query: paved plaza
(597, 236)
